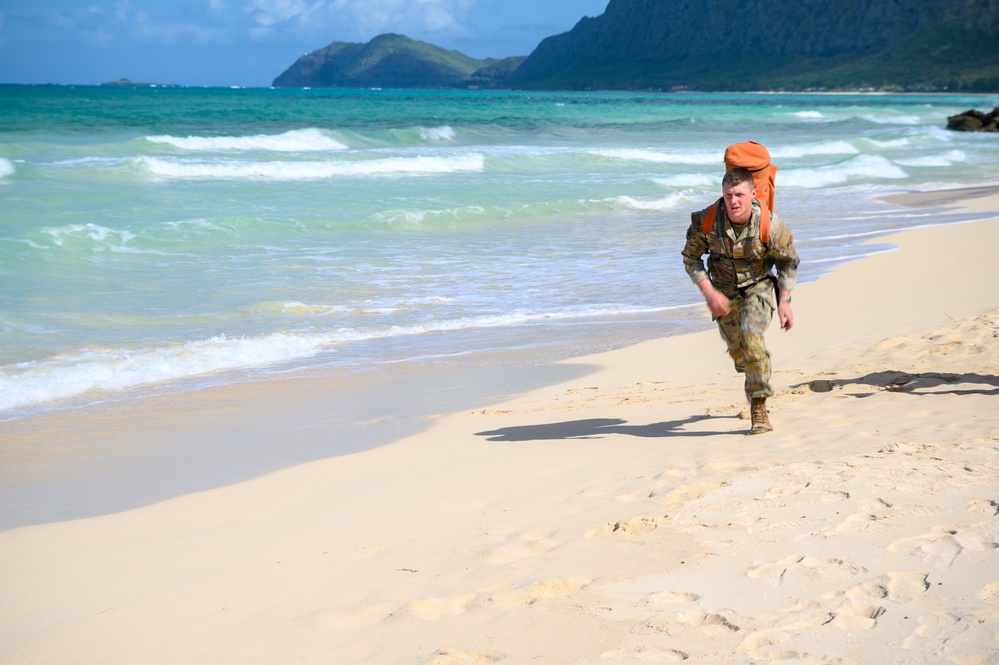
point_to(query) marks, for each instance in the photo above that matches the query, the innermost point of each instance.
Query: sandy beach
(621, 517)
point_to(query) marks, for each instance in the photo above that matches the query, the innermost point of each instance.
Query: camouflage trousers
(743, 329)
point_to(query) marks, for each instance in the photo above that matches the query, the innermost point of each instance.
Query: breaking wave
(309, 170)
(297, 140)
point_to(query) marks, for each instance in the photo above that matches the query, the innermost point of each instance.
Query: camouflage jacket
(738, 259)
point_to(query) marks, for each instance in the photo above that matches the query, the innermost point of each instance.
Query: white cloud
(134, 22)
(361, 19)
(272, 12)
(376, 16)
(309, 23)
(123, 10)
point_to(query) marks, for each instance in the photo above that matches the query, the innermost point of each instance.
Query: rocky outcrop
(128, 83)
(975, 121)
(495, 74)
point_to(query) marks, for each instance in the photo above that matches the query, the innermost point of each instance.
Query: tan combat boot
(758, 412)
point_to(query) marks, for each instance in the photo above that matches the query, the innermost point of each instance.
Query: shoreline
(68, 463)
(85, 461)
(617, 514)
(962, 197)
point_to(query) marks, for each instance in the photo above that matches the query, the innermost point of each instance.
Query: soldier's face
(739, 202)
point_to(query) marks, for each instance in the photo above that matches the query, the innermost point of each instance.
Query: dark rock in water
(975, 121)
(128, 83)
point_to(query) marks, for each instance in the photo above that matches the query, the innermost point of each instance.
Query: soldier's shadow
(597, 428)
(921, 383)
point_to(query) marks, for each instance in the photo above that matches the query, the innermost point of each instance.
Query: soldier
(738, 284)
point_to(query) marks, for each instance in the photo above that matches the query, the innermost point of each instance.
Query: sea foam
(814, 150)
(666, 203)
(894, 119)
(33, 383)
(935, 161)
(656, 156)
(862, 168)
(444, 133)
(309, 170)
(696, 180)
(809, 115)
(6, 167)
(37, 382)
(297, 140)
(94, 233)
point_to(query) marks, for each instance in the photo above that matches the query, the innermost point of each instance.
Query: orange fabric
(756, 158)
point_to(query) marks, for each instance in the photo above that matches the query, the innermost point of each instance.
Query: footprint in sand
(983, 507)
(685, 494)
(990, 593)
(777, 572)
(636, 526)
(521, 546)
(896, 587)
(802, 619)
(452, 657)
(952, 638)
(437, 608)
(667, 598)
(793, 624)
(759, 645)
(767, 638)
(944, 545)
(805, 492)
(640, 495)
(354, 619)
(905, 587)
(857, 617)
(713, 623)
(646, 655)
(558, 588)
(716, 623)
(876, 516)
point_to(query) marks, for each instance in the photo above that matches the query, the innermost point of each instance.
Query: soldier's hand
(785, 315)
(716, 300)
(718, 304)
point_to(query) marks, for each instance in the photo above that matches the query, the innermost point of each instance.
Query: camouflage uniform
(741, 266)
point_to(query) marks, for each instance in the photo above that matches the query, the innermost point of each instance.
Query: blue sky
(249, 42)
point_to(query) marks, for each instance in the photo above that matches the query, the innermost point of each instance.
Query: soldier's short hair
(738, 175)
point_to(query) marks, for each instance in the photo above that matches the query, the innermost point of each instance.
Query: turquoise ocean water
(162, 239)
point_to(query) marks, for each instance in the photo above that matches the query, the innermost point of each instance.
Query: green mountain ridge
(717, 45)
(389, 60)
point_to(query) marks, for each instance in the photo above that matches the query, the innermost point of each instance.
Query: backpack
(753, 156)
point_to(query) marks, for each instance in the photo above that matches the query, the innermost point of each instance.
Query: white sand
(625, 517)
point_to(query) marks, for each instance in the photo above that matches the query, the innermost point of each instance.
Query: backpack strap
(709, 217)
(712, 212)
